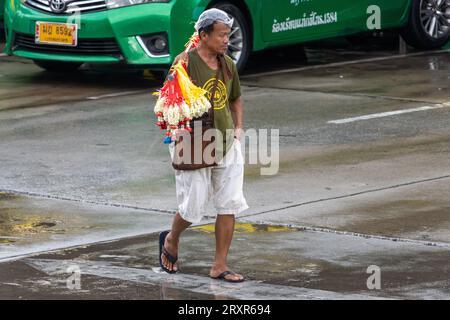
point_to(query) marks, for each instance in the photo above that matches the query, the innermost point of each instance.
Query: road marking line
(3, 54)
(351, 234)
(117, 94)
(345, 63)
(389, 114)
(248, 290)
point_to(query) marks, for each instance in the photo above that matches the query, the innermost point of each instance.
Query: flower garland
(179, 100)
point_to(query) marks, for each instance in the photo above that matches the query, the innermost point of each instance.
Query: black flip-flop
(226, 273)
(162, 250)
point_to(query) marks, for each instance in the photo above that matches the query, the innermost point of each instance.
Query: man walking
(224, 182)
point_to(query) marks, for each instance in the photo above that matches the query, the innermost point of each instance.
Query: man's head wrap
(211, 16)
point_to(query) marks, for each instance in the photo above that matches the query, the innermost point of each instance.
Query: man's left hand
(238, 133)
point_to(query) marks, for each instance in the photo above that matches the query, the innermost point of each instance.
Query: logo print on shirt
(220, 97)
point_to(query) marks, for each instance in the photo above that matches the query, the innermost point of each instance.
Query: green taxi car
(63, 34)
(2, 10)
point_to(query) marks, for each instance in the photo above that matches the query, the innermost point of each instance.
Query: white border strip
(389, 114)
(312, 229)
(117, 94)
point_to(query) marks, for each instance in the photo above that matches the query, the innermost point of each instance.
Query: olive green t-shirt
(203, 76)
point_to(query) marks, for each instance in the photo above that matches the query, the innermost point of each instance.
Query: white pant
(224, 183)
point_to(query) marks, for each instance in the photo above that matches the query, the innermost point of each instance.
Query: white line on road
(3, 54)
(117, 94)
(389, 114)
(351, 234)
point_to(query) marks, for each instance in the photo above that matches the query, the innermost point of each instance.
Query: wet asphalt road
(85, 181)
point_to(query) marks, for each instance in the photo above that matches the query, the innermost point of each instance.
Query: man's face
(217, 40)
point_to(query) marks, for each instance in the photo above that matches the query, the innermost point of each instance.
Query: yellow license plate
(62, 34)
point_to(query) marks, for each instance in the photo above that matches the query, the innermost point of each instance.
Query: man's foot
(170, 249)
(223, 273)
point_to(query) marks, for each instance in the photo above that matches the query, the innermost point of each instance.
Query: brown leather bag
(196, 144)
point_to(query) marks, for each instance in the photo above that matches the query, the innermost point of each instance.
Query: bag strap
(214, 90)
(226, 72)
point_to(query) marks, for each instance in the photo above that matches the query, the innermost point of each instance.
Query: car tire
(240, 39)
(57, 66)
(428, 26)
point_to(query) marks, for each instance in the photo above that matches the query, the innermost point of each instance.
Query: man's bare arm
(237, 113)
(182, 56)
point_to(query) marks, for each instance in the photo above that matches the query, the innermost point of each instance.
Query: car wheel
(429, 24)
(57, 66)
(240, 41)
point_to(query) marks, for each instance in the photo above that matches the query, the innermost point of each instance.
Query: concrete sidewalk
(278, 262)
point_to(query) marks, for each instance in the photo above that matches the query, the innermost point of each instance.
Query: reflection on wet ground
(278, 264)
(21, 222)
(322, 52)
(33, 224)
(2, 40)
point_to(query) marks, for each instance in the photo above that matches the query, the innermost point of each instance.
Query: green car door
(288, 20)
(303, 20)
(378, 14)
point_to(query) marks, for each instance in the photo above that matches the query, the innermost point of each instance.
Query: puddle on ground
(364, 153)
(15, 226)
(247, 228)
(28, 220)
(7, 196)
(6, 240)
(414, 217)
